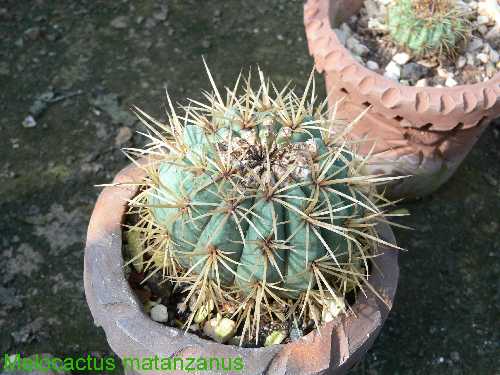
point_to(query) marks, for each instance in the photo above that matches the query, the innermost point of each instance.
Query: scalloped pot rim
(346, 54)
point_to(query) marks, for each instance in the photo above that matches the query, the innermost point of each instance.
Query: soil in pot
(476, 58)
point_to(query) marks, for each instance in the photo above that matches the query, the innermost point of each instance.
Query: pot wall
(423, 132)
(131, 333)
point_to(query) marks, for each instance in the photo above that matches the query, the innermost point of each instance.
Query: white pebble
(393, 69)
(159, 313)
(482, 20)
(490, 70)
(375, 24)
(422, 83)
(220, 329)
(494, 33)
(494, 56)
(372, 65)
(401, 58)
(392, 76)
(470, 59)
(461, 62)
(483, 57)
(29, 122)
(450, 82)
(483, 29)
(443, 73)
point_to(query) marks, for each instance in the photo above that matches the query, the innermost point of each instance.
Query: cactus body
(244, 226)
(257, 206)
(427, 27)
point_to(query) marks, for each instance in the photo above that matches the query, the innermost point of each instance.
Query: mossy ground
(445, 320)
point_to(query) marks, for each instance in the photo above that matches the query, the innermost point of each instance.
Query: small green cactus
(256, 206)
(427, 27)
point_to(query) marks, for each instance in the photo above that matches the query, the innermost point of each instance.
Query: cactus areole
(427, 27)
(257, 206)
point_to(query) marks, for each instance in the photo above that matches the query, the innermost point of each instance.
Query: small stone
(422, 83)
(346, 29)
(124, 135)
(493, 34)
(341, 36)
(450, 82)
(275, 338)
(375, 24)
(205, 43)
(401, 58)
(149, 305)
(391, 76)
(120, 22)
(483, 20)
(159, 313)
(443, 73)
(393, 69)
(296, 334)
(413, 71)
(194, 328)
(461, 62)
(494, 56)
(483, 57)
(475, 44)
(491, 70)
(483, 29)
(219, 329)
(29, 122)
(372, 65)
(356, 47)
(470, 59)
(491, 9)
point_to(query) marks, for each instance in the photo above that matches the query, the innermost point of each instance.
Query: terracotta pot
(420, 131)
(131, 333)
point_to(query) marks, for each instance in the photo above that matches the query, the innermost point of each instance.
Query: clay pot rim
(112, 301)
(316, 17)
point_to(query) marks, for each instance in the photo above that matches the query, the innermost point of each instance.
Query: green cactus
(256, 206)
(427, 27)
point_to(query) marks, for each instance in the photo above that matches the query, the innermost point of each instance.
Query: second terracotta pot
(420, 131)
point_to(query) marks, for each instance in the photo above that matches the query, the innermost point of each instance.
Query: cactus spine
(427, 27)
(256, 206)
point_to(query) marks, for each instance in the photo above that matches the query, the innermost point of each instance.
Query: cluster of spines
(330, 276)
(428, 27)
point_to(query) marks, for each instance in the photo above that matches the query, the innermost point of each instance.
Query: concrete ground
(80, 65)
